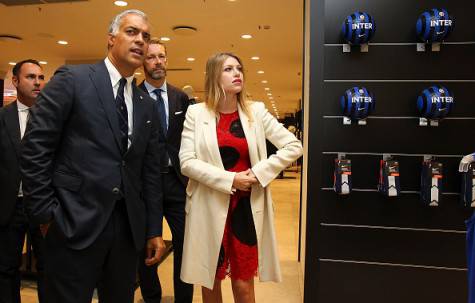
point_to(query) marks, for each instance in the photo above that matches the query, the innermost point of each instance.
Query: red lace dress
(238, 254)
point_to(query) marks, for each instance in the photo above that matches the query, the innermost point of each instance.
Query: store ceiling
(276, 27)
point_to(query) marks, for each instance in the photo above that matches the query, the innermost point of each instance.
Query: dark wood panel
(393, 246)
(396, 20)
(375, 284)
(400, 99)
(401, 62)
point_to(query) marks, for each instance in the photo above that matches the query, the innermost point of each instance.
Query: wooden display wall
(367, 247)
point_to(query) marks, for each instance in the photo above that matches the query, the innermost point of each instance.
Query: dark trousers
(109, 264)
(174, 213)
(12, 237)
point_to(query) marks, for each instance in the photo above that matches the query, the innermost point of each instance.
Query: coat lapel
(211, 137)
(101, 80)
(250, 132)
(172, 103)
(13, 125)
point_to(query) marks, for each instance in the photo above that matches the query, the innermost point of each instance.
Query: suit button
(116, 190)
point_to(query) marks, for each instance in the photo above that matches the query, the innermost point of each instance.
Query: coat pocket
(65, 180)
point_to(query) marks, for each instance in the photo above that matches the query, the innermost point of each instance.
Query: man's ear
(15, 81)
(110, 40)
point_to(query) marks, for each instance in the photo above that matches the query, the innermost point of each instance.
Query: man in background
(28, 78)
(171, 105)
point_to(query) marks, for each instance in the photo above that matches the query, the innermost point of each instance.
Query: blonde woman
(229, 214)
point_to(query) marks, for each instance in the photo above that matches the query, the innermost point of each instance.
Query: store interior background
(196, 29)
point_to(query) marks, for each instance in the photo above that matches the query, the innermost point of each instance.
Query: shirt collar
(21, 107)
(114, 73)
(150, 88)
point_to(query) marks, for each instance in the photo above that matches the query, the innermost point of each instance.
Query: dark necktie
(161, 110)
(122, 114)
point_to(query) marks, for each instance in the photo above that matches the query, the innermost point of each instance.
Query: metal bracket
(346, 48)
(387, 157)
(436, 47)
(421, 47)
(428, 157)
(346, 121)
(364, 48)
(341, 156)
(434, 122)
(423, 122)
(362, 122)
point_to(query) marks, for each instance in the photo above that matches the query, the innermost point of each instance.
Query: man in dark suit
(28, 78)
(90, 173)
(171, 104)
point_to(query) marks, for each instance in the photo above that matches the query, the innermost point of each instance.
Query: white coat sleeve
(289, 147)
(196, 169)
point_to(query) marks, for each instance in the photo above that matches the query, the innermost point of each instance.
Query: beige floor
(285, 193)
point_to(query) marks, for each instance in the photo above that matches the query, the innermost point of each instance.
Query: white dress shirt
(115, 79)
(23, 112)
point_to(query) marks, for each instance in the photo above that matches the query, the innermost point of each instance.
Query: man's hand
(155, 249)
(44, 229)
(465, 162)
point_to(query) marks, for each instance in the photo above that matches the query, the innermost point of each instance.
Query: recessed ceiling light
(63, 42)
(246, 36)
(43, 62)
(269, 94)
(120, 3)
(260, 71)
(232, 0)
(190, 59)
(264, 81)
(255, 58)
(165, 39)
(12, 63)
(137, 73)
(266, 88)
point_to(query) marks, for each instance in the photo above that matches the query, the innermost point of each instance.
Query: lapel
(250, 132)
(211, 137)
(172, 107)
(101, 81)
(13, 125)
(138, 112)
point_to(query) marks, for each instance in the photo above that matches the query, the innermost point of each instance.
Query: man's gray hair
(115, 24)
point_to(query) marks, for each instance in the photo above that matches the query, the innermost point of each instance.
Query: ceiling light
(267, 88)
(255, 58)
(43, 62)
(190, 59)
(12, 63)
(137, 73)
(269, 94)
(260, 71)
(271, 98)
(62, 42)
(246, 36)
(120, 3)
(164, 39)
(264, 81)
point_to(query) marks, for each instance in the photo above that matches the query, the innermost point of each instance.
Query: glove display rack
(365, 246)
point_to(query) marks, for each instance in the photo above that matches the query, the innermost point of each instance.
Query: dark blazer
(9, 161)
(74, 170)
(177, 106)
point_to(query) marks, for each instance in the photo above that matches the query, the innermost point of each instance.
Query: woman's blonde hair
(214, 92)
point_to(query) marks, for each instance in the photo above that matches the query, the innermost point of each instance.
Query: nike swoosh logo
(439, 33)
(442, 109)
(361, 108)
(359, 36)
